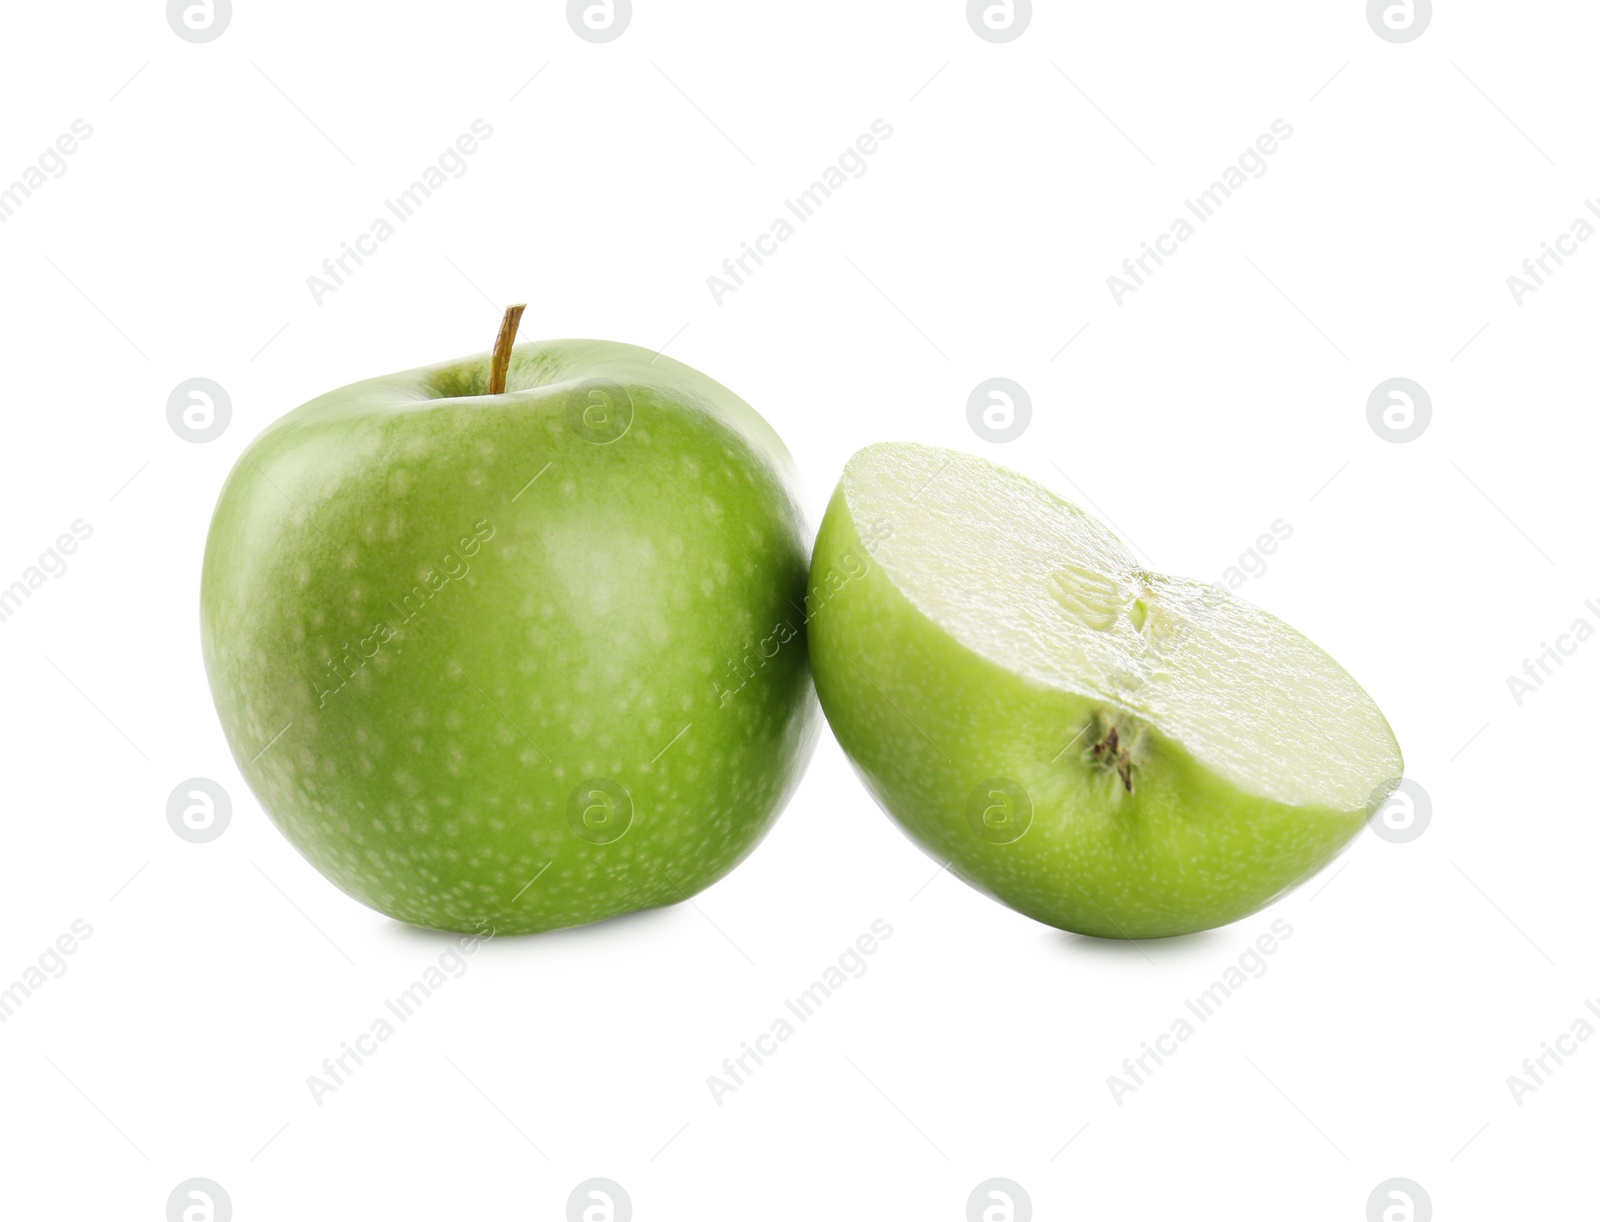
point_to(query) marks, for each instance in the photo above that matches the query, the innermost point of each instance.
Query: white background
(1228, 392)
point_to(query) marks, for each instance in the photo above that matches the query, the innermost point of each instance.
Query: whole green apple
(506, 644)
(1105, 749)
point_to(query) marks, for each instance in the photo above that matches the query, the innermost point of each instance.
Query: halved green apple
(1103, 748)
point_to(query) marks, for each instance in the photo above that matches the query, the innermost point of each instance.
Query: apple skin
(928, 724)
(518, 662)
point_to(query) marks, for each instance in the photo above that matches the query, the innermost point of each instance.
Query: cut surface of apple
(1104, 748)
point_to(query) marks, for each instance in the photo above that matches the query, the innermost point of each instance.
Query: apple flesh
(511, 662)
(1105, 749)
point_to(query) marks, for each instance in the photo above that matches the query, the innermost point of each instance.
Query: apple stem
(502, 348)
